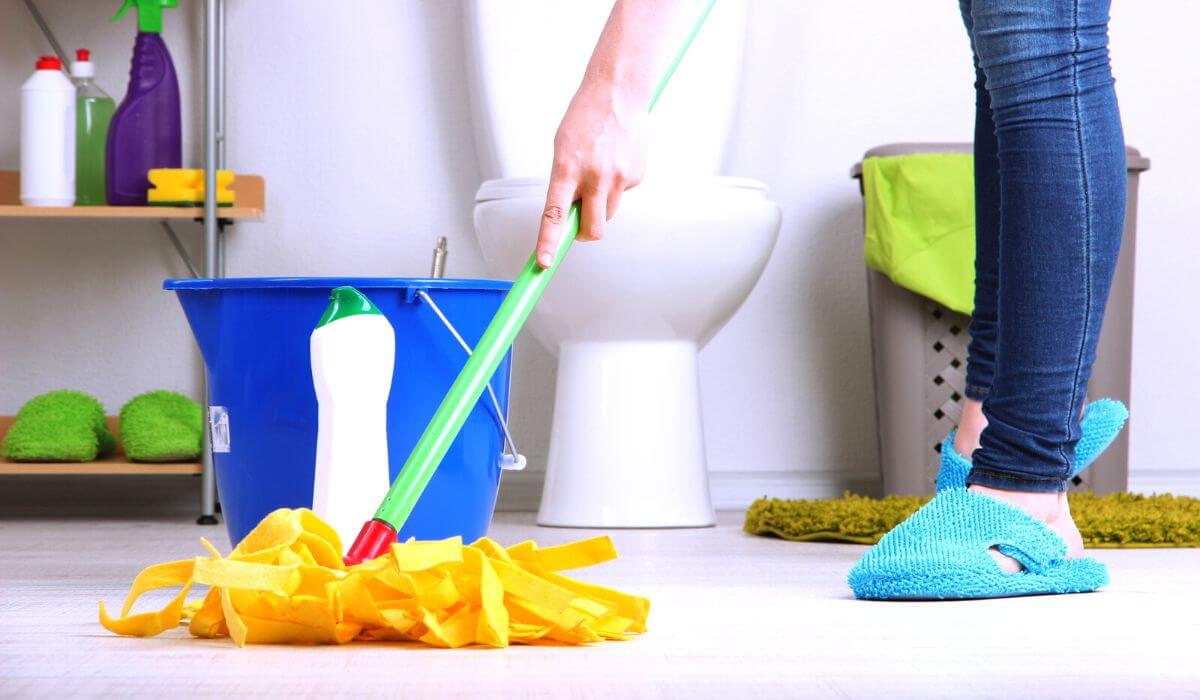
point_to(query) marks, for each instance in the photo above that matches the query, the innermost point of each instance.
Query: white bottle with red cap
(48, 137)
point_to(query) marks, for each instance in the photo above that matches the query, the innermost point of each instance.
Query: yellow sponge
(176, 187)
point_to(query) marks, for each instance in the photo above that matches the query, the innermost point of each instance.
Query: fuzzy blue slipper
(1101, 424)
(941, 552)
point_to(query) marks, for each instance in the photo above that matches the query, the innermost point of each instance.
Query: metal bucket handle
(513, 460)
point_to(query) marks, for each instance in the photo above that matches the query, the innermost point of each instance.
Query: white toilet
(628, 315)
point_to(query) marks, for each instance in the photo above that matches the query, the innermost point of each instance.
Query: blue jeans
(1049, 209)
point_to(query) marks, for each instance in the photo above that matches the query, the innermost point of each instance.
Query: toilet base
(627, 446)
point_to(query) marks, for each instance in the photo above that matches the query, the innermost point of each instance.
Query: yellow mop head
(285, 584)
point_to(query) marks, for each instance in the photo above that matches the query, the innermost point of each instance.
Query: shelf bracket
(41, 23)
(183, 253)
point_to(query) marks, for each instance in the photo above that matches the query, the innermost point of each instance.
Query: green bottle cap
(149, 13)
(347, 301)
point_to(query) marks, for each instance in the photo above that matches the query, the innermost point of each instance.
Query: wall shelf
(249, 192)
(249, 205)
(115, 463)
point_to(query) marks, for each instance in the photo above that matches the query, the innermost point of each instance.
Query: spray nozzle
(149, 13)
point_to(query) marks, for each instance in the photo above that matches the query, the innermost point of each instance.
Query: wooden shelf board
(117, 213)
(115, 463)
(105, 466)
(249, 193)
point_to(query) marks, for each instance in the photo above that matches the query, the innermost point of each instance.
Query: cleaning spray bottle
(48, 137)
(93, 112)
(353, 352)
(145, 132)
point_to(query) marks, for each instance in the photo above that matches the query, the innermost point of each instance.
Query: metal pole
(210, 137)
(220, 251)
(179, 248)
(221, 129)
(220, 264)
(208, 481)
(41, 23)
(222, 132)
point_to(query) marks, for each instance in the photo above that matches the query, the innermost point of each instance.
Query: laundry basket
(919, 351)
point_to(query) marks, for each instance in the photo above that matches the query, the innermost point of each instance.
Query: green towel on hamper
(920, 224)
(59, 426)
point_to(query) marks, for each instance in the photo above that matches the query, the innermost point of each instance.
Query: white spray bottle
(353, 352)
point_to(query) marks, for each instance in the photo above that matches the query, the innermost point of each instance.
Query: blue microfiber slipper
(941, 552)
(1101, 424)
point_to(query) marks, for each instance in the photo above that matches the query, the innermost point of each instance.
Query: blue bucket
(254, 335)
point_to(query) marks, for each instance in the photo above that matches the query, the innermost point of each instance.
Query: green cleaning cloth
(1109, 521)
(920, 224)
(59, 426)
(162, 426)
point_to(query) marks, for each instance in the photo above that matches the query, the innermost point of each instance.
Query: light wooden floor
(733, 616)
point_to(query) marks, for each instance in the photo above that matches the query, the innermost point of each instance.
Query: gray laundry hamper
(919, 350)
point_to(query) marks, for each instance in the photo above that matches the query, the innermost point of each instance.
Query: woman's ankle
(970, 427)
(1047, 507)
(1053, 509)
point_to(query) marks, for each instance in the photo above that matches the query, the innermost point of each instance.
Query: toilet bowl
(626, 316)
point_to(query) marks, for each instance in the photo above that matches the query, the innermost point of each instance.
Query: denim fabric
(1050, 206)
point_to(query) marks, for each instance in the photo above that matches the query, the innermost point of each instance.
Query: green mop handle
(448, 420)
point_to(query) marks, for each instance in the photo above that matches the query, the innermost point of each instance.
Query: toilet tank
(527, 57)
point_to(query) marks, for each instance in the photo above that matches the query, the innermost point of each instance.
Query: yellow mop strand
(285, 583)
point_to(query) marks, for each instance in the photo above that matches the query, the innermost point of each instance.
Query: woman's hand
(599, 152)
(600, 147)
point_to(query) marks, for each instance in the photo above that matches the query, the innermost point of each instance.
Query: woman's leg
(981, 355)
(1062, 206)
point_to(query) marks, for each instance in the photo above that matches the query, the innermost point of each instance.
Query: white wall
(360, 123)
(1153, 56)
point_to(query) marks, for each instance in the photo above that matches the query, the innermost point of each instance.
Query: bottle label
(218, 428)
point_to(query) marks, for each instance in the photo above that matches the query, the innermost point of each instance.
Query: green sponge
(162, 426)
(59, 426)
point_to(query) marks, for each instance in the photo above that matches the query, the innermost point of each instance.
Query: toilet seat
(694, 222)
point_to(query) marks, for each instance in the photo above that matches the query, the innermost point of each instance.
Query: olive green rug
(1112, 520)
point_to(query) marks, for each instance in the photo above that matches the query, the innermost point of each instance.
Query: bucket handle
(513, 460)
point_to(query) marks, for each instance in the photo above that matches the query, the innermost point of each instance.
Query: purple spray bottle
(145, 131)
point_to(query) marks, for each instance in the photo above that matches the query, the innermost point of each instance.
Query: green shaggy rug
(1113, 520)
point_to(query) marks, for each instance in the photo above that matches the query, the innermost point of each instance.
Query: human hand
(599, 152)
